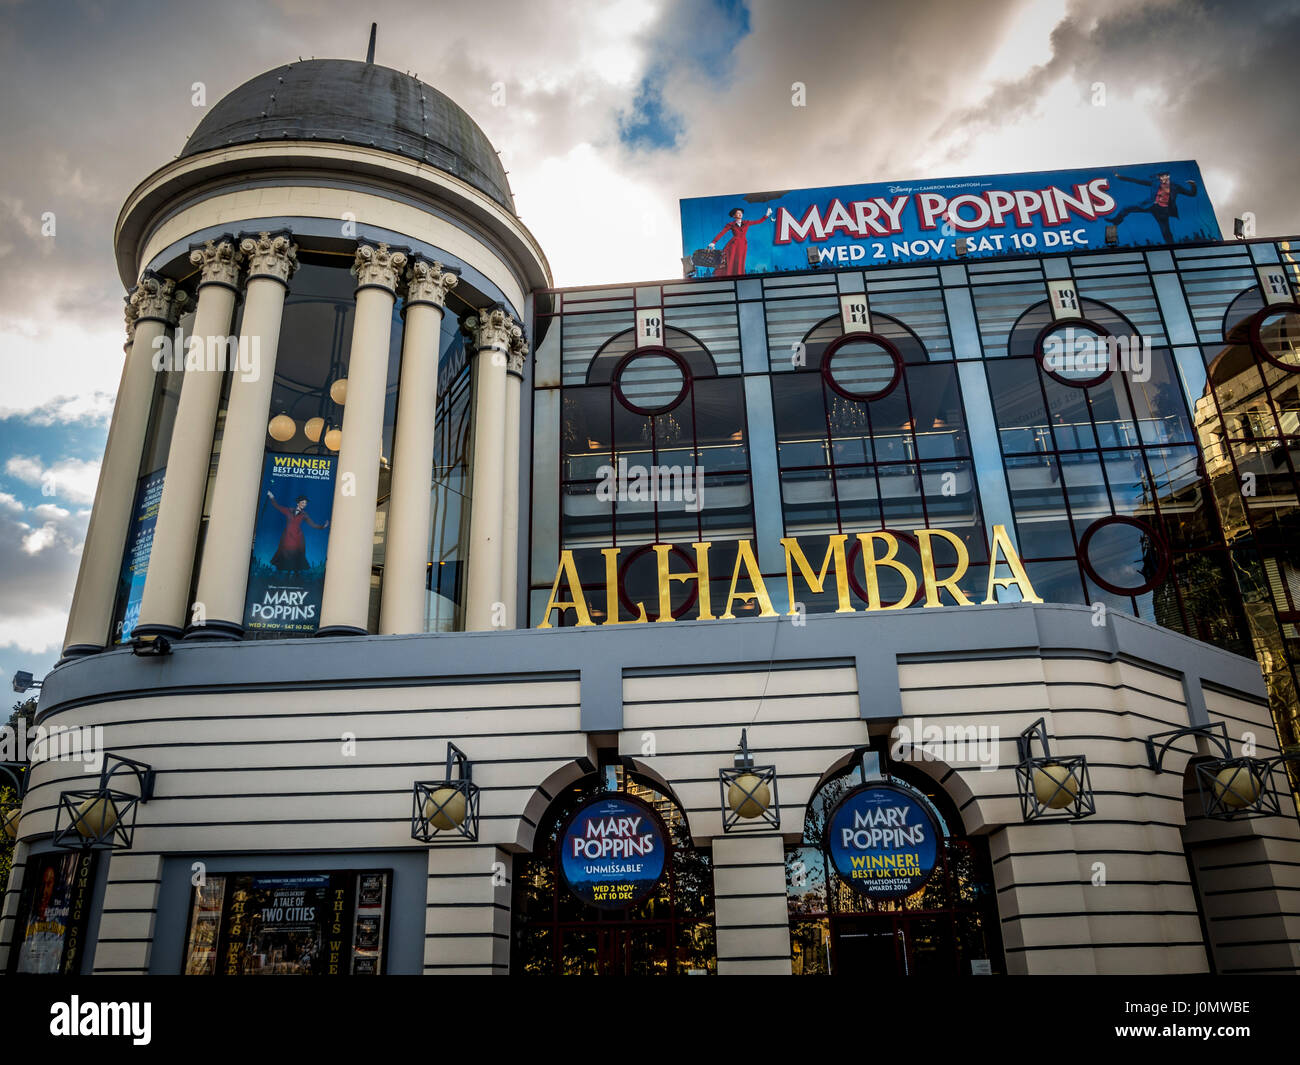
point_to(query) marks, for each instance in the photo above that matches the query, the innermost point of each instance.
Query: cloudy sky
(612, 110)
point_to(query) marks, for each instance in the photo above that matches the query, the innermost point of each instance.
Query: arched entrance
(947, 926)
(563, 926)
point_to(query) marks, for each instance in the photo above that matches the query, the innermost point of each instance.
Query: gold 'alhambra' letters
(835, 563)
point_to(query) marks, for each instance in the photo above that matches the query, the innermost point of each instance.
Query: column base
(215, 630)
(170, 631)
(79, 650)
(341, 630)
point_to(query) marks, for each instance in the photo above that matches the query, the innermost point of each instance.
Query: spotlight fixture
(24, 682)
(449, 807)
(1229, 787)
(961, 247)
(814, 259)
(1112, 235)
(1051, 786)
(748, 791)
(103, 817)
(150, 646)
(1239, 228)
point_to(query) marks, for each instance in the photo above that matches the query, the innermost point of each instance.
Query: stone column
(467, 911)
(510, 491)
(223, 573)
(129, 915)
(151, 311)
(406, 558)
(180, 509)
(749, 905)
(346, 601)
(494, 333)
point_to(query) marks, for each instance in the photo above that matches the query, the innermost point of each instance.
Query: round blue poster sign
(612, 852)
(882, 841)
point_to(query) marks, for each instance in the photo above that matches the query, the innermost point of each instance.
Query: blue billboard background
(286, 577)
(139, 544)
(882, 841)
(612, 853)
(916, 221)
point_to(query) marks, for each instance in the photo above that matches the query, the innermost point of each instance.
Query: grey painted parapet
(599, 656)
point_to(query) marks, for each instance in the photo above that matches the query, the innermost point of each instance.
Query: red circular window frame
(1162, 551)
(1257, 327)
(890, 349)
(1062, 323)
(688, 379)
(626, 600)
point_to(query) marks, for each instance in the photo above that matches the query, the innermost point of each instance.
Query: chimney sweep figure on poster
(1163, 204)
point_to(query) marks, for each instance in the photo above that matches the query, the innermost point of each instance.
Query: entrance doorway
(668, 931)
(947, 927)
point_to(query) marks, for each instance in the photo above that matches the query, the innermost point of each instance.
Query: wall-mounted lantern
(1229, 787)
(103, 817)
(748, 792)
(1051, 785)
(449, 807)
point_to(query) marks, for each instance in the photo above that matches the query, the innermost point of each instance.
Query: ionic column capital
(218, 262)
(493, 328)
(274, 256)
(377, 266)
(428, 282)
(155, 299)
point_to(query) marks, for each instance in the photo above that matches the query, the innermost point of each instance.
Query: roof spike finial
(370, 51)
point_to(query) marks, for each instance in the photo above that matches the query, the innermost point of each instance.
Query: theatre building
(911, 587)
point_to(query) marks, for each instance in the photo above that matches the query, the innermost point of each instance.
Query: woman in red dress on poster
(291, 555)
(733, 255)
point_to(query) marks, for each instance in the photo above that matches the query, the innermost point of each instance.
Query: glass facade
(1159, 482)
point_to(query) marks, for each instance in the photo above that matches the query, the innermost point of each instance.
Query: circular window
(651, 380)
(862, 366)
(1275, 334)
(649, 578)
(1124, 555)
(891, 582)
(1075, 352)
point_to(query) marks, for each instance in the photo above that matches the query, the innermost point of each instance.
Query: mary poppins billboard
(915, 221)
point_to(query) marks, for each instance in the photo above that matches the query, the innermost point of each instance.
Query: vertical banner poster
(613, 852)
(286, 577)
(52, 917)
(913, 221)
(139, 542)
(882, 841)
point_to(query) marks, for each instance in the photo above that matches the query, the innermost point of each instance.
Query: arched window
(667, 931)
(654, 449)
(949, 922)
(871, 435)
(1106, 479)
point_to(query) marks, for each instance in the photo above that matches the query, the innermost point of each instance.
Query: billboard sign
(139, 543)
(286, 578)
(892, 223)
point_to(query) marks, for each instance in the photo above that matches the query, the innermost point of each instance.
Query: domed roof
(351, 102)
